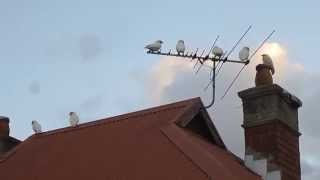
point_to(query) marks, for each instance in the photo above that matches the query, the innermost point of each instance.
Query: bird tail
(147, 47)
(272, 71)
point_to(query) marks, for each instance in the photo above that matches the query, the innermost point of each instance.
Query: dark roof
(175, 141)
(13, 140)
(6, 144)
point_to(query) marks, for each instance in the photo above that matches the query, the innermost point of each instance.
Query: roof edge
(133, 114)
(155, 109)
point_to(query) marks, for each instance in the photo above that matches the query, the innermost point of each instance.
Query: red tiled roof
(149, 144)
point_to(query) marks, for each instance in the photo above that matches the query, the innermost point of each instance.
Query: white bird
(244, 53)
(180, 47)
(73, 119)
(36, 127)
(217, 51)
(154, 47)
(268, 61)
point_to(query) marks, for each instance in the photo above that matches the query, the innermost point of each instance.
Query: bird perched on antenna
(217, 51)
(73, 119)
(36, 127)
(180, 47)
(266, 59)
(244, 54)
(154, 47)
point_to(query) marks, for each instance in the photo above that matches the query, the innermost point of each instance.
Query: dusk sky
(88, 57)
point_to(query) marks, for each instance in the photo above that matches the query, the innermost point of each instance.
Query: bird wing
(180, 47)
(37, 127)
(74, 120)
(148, 46)
(34, 128)
(268, 61)
(244, 54)
(154, 46)
(217, 51)
(272, 70)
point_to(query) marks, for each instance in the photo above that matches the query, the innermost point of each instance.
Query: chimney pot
(263, 75)
(4, 127)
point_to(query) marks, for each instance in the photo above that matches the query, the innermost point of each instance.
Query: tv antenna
(215, 55)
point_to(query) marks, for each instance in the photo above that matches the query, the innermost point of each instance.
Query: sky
(88, 57)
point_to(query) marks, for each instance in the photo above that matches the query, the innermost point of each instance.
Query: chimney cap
(3, 118)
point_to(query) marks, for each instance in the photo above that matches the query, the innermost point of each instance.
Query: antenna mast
(215, 55)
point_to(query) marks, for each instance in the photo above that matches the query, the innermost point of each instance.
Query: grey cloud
(92, 104)
(34, 88)
(309, 171)
(307, 168)
(90, 46)
(85, 47)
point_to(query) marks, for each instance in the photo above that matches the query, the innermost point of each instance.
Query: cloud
(173, 79)
(90, 47)
(34, 88)
(163, 76)
(91, 104)
(86, 47)
(309, 170)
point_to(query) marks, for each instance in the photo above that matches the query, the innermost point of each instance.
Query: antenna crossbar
(200, 58)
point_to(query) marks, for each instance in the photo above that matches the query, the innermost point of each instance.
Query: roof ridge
(99, 122)
(109, 120)
(122, 117)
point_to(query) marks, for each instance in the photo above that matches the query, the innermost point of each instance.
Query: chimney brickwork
(271, 127)
(6, 142)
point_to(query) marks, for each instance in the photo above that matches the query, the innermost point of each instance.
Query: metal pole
(213, 86)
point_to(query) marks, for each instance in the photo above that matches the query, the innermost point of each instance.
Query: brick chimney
(6, 142)
(271, 124)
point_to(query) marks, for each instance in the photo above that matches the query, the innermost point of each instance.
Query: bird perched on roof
(73, 119)
(244, 54)
(154, 47)
(180, 47)
(266, 59)
(36, 127)
(217, 51)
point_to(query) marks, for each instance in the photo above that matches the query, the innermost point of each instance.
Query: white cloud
(163, 75)
(173, 79)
